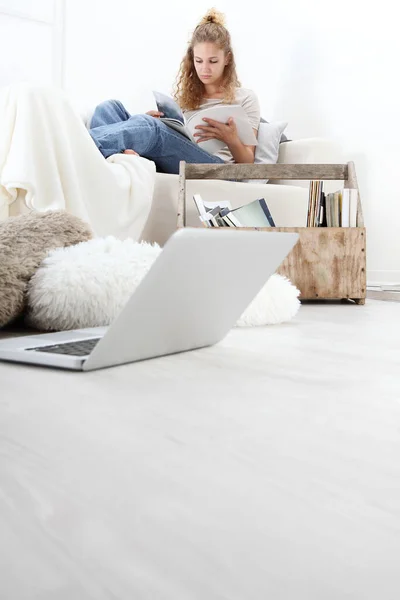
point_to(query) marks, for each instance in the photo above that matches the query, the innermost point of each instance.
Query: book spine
(336, 210)
(313, 199)
(345, 216)
(310, 196)
(266, 210)
(228, 222)
(318, 201)
(329, 209)
(322, 214)
(353, 207)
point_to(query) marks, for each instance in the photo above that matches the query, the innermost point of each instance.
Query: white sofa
(78, 193)
(287, 200)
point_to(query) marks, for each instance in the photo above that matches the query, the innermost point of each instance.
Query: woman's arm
(242, 153)
(227, 133)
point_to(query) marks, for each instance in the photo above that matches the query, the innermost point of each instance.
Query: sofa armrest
(309, 151)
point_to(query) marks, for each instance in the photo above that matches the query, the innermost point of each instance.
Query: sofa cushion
(283, 136)
(269, 136)
(267, 150)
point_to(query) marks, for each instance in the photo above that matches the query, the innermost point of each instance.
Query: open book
(174, 118)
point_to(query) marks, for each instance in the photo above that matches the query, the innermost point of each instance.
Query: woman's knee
(152, 125)
(150, 121)
(110, 104)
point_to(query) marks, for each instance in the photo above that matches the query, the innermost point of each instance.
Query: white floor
(265, 467)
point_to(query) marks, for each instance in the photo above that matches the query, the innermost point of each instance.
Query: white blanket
(48, 157)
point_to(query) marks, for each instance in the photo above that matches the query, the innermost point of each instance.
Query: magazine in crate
(221, 214)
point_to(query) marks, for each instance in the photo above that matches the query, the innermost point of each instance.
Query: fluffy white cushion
(88, 284)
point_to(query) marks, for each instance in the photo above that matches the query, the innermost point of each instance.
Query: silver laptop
(193, 294)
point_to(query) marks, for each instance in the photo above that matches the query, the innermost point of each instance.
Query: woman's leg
(108, 112)
(152, 139)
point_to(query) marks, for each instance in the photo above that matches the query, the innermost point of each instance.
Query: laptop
(193, 294)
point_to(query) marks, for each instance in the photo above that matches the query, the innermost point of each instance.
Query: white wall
(31, 41)
(330, 69)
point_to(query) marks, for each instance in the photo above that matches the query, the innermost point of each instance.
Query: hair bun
(213, 16)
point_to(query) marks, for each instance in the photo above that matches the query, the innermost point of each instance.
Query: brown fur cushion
(24, 243)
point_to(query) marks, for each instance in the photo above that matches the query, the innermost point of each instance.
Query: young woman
(207, 76)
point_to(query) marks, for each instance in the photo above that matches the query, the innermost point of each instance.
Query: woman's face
(209, 62)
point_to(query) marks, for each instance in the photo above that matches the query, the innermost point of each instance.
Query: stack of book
(316, 208)
(221, 214)
(337, 209)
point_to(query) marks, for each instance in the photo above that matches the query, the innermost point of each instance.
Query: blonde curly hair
(189, 90)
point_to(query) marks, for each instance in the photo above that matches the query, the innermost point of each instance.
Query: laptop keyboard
(80, 348)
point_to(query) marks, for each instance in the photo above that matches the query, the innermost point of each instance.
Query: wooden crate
(327, 262)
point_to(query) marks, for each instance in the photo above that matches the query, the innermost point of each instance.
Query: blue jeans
(114, 130)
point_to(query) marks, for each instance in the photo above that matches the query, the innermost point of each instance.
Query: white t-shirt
(244, 97)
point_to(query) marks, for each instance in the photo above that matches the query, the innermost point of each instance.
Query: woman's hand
(155, 113)
(220, 131)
